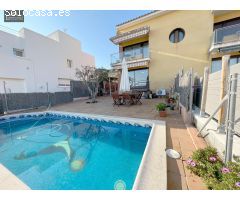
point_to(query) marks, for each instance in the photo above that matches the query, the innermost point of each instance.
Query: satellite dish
(173, 154)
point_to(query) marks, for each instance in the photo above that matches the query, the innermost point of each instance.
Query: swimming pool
(61, 151)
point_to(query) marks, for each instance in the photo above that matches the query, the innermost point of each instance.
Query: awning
(136, 33)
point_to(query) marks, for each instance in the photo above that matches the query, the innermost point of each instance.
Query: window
(234, 61)
(217, 63)
(177, 35)
(18, 52)
(64, 82)
(136, 51)
(138, 78)
(69, 63)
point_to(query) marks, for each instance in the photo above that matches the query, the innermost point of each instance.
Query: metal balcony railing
(130, 55)
(139, 85)
(227, 34)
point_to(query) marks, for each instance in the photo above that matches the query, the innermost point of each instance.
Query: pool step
(42, 180)
(57, 167)
(32, 177)
(33, 170)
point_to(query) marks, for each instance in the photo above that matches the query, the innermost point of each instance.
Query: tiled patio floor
(180, 137)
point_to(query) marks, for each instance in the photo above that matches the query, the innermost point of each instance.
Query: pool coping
(152, 171)
(8, 181)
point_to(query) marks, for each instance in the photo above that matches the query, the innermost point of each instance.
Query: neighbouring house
(31, 62)
(160, 43)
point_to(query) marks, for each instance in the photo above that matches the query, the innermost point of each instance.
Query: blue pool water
(56, 152)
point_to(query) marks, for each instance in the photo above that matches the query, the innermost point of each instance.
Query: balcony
(135, 57)
(127, 36)
(226, 39)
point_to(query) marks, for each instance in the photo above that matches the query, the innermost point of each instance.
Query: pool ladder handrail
(213, 114)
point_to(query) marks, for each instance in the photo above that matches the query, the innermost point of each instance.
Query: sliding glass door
(139, 79)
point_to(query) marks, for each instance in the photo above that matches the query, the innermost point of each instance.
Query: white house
(31, 62)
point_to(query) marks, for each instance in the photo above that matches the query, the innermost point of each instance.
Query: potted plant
(171, 100)
(171, 103)
(161, 108)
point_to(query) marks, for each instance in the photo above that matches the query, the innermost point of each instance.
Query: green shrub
(217, 176)
(161, 107)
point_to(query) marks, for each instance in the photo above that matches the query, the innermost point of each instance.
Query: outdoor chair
(138, 97)
(127, 99)
(116, 99)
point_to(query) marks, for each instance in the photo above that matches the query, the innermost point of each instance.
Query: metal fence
(79, 89)
(197, 92)
(21, 101)
(218, 95)
(232, 124)
(182, 87)
(189, 88)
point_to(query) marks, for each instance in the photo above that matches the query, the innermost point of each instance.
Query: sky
(92, 28)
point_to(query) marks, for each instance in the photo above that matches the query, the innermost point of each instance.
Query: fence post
(71, 87)
(1, 104)
(5, 97)
(223, 91)
(204, 91)
(48, 94)
(110, 89)
(231, 117)
(191, 93)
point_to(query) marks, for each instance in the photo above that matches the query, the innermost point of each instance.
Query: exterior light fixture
(173, 153)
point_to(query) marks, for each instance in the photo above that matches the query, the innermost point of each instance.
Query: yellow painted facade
(167, 58)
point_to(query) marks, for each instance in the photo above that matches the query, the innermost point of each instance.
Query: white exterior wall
(44, 61)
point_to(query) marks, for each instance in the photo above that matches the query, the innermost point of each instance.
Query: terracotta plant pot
(163, 113)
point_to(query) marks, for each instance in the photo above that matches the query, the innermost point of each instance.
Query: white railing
(130, 55)
(226, 34)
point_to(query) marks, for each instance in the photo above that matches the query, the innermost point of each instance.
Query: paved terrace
(180, 136)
